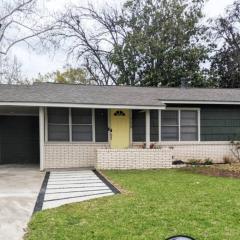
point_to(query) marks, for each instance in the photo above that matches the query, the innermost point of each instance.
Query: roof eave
(77, 105)
(201, 102)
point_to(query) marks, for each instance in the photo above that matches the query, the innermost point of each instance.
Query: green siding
(220, 123)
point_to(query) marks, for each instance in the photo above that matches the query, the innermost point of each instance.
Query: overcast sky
(33, 63)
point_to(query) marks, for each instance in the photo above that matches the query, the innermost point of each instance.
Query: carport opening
(19, 135)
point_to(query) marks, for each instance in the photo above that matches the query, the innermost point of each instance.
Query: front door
(120, 126)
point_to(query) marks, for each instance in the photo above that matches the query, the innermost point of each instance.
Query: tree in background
(11, 72)
(225, 64)
(165, 44)
(69, 75)
(19, 22)
(147, 42)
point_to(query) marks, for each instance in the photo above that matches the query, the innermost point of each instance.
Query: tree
(19, 22)
(165, 44)
(147, 42)
(68, 76)
(11, 71)
(225, 64)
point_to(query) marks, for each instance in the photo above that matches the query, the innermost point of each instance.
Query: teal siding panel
(220, 123)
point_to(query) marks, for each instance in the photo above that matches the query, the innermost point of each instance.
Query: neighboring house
(68, 126)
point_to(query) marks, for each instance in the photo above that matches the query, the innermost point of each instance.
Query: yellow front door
(120, 125)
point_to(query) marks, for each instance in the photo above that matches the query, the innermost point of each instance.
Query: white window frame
(179, 123)
(70, 130)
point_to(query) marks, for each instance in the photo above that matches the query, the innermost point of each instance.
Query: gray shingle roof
(112, 95)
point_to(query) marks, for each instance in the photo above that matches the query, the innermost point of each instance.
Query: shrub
(208, 161)
(236, 150)
(228, 159)
(195, 161)
(178, 162)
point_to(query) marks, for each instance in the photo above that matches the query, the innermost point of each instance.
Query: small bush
(178, 162)
(208, 161)
(228, 159)
(194, 161)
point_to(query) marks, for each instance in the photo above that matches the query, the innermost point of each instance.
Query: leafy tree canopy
(164, 44)
(225, 63)
(69, 75)
(147, 42)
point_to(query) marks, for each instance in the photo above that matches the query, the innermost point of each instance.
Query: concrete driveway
(19, 188)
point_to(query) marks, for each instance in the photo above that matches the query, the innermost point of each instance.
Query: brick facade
(202, 150)
(74, 155)
(71, 155)
(186, 151)
(134, 158)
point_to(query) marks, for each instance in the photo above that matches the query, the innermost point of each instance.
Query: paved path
(65, 187)
(19, 188)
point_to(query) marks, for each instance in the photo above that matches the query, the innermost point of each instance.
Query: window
(58, 124)
(154, 131)
(170, 125)
(189, 125)
(101, 125)
(138, 126)
(179, 125)
(77, 124)
(81, 124)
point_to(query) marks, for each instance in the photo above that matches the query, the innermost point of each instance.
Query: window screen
(189, 125)
(81, 124)
(154, 132)
(138, 126)
(169, 129)
(58, 124)
(101, 125)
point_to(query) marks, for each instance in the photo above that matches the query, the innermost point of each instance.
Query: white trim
(199, 102)
(147, 116)
(71, 105)
(41, 137)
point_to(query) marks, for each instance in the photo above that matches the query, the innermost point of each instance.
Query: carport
(19, 135)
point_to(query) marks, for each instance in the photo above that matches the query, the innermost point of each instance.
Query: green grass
(156, 205)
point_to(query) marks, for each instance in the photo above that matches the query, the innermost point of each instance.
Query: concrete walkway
(65, 187)
(19, 187)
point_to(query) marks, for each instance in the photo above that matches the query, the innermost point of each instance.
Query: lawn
(155, 204)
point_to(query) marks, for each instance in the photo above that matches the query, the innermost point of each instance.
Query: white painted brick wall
(134, 158)
(213, 151)
(197, 150)
(71, 155)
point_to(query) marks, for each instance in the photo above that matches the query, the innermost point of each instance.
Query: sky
(34, 63)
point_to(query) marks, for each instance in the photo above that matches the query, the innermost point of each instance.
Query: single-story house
(70, 126)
